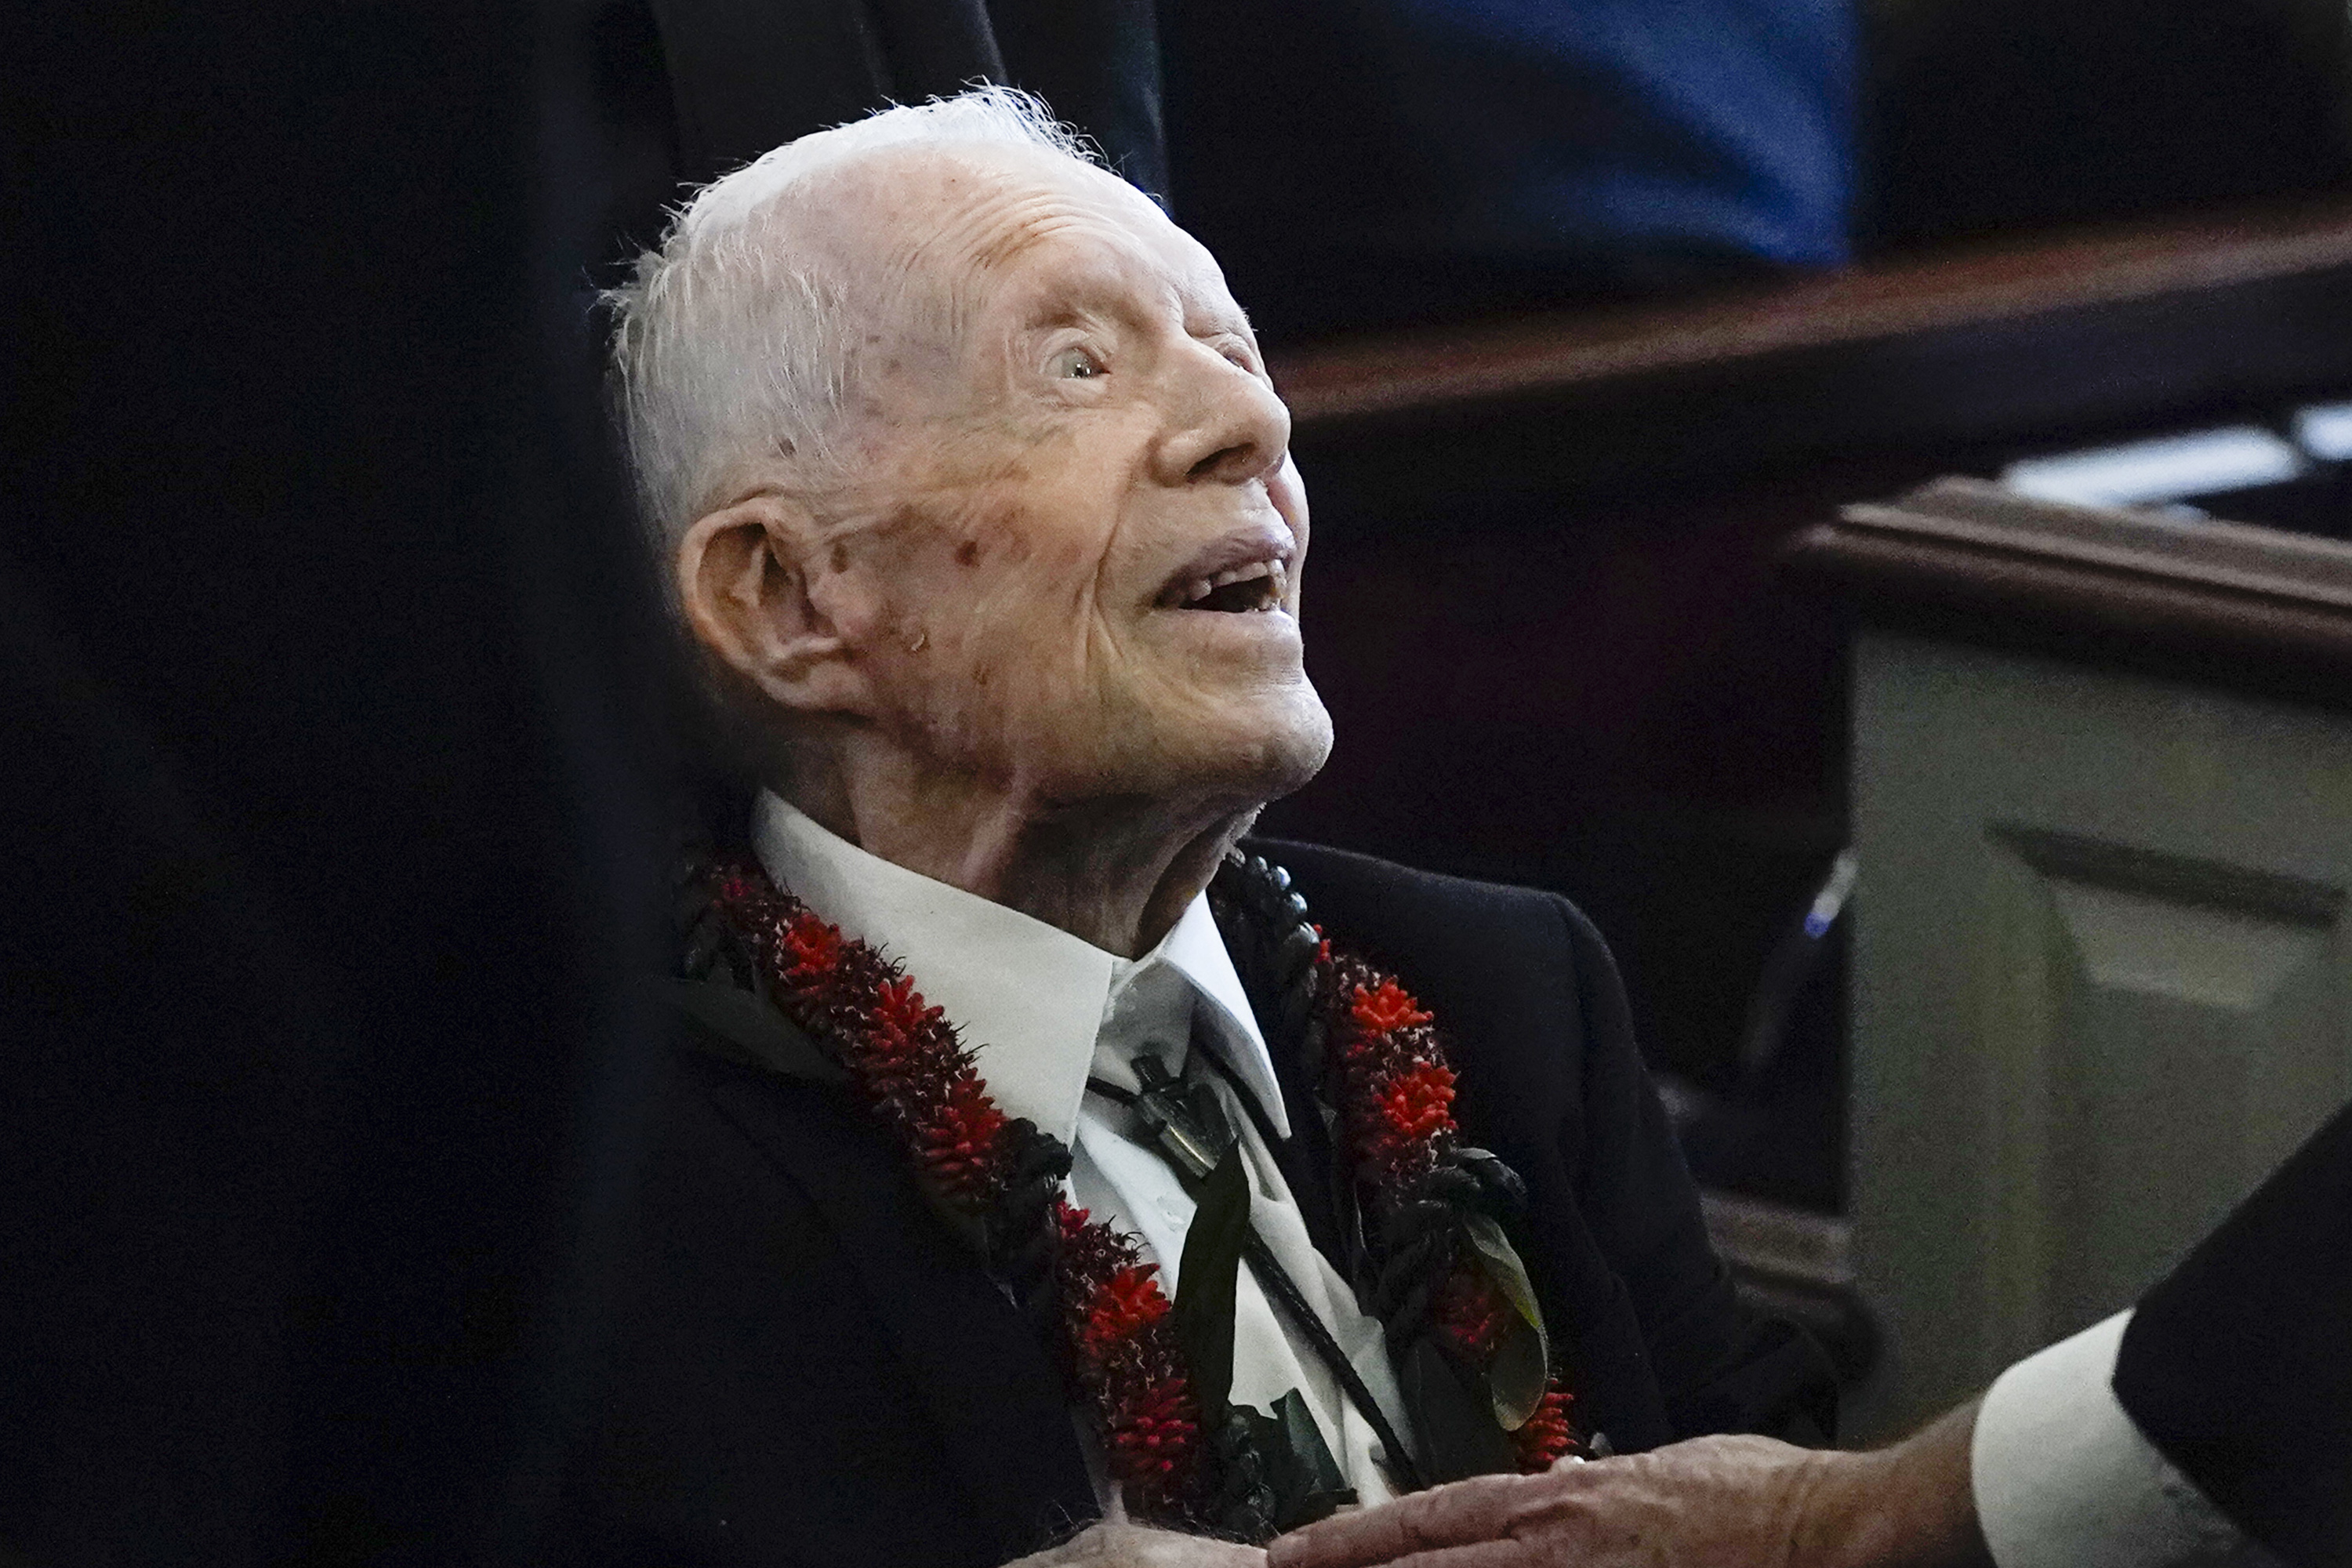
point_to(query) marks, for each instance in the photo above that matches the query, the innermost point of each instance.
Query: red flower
(1091, 1252)
(1151, 1436)
(1128, 1302)
(1468, 1309)
(1548, 1434)
(812, 949)
(958, 1145)
(1387, 1009)
(1415, 1102)
(899, 1018)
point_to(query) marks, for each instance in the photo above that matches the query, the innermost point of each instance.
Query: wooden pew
(1547, 611)
(1544, 604)
(2102, 786)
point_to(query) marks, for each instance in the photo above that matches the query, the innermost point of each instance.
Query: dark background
(334, 737)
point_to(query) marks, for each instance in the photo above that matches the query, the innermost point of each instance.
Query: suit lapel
(986, 1385)
(1307, 1164)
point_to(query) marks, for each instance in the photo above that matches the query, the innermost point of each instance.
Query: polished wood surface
(1428, 369)
(2100, 984)
(1546, 605)
(2032, 345)
(2222, 602)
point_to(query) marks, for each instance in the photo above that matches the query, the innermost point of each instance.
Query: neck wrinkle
(1114, 874)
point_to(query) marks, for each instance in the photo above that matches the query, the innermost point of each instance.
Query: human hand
(1735, 1502)
(1132, 1546)
(1712, 1502)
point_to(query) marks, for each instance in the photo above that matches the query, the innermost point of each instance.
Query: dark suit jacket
(2238, 1366)
(806, 1368)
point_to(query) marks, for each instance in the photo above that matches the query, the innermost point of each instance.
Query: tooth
(1200, 589)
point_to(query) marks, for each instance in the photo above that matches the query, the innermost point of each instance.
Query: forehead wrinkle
(1103, 273)
(1002, 222)
(883, 248)
(964, 219)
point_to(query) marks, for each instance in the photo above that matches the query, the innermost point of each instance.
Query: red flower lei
(1395, 1094)
(1119, 1345)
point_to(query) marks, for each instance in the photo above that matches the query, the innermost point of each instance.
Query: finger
(1200, 1551)
(1454, 1515)
(1477, 1554)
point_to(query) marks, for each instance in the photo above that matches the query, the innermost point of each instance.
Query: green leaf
(1303, 1482)
(745, 1029)
(1455, 1420)
(1205, 1280)
(1522, 1364)
(1517, 1376)
(1308, 1480)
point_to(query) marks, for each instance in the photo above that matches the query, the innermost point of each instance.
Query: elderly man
(977, 507)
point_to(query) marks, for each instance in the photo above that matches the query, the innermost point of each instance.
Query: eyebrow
(1073, 278)
(1075, 291)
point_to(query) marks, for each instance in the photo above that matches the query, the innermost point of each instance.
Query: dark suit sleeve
(2237, 1365)
(1721, 1366)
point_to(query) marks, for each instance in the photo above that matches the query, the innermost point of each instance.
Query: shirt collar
(1030, 1000)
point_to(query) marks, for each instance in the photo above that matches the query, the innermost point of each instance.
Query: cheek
(977, 604)
(1288, 493)
(1011, 572)
(994, 624)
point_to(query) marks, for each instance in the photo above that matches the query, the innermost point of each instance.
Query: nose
(1228, 427)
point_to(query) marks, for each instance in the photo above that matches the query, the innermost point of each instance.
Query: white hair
(732, 345)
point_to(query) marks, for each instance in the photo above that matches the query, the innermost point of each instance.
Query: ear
(743, 579)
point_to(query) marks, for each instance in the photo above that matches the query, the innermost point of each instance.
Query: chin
(1275, 751)
(1234, 752)
(1306, 746)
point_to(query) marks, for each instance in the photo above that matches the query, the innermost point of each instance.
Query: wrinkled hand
(1132, 1546)
(1739, 1502)
(1712, 1502)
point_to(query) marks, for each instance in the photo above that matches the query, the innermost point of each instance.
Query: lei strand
(1395, 1096)
(1117, 1342)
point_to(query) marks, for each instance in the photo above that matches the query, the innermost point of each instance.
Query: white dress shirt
(1041, 1010)
(2063, 1479)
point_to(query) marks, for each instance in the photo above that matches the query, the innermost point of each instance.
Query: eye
(1076, 363)
(1238, 355)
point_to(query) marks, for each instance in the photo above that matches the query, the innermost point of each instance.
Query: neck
(1116, 872)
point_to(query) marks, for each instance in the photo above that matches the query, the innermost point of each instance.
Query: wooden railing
(1544, 606)
(1431, 368)
(2040, 337)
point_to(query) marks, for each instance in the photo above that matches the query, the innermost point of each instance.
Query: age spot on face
(968, 553)
(840, 556)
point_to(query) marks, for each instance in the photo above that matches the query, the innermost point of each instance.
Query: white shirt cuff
(2063, 1479)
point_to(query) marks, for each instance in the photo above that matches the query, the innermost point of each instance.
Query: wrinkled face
(1077, 507)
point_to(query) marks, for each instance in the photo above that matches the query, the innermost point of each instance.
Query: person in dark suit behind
(2210, 1424)
(977, 510)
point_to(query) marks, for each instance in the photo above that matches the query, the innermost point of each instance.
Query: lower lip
(1251, 625)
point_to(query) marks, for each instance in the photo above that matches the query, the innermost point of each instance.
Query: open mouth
(1242, 590)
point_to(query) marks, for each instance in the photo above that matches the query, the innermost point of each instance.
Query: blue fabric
(1356, 160)
(1576, 121)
